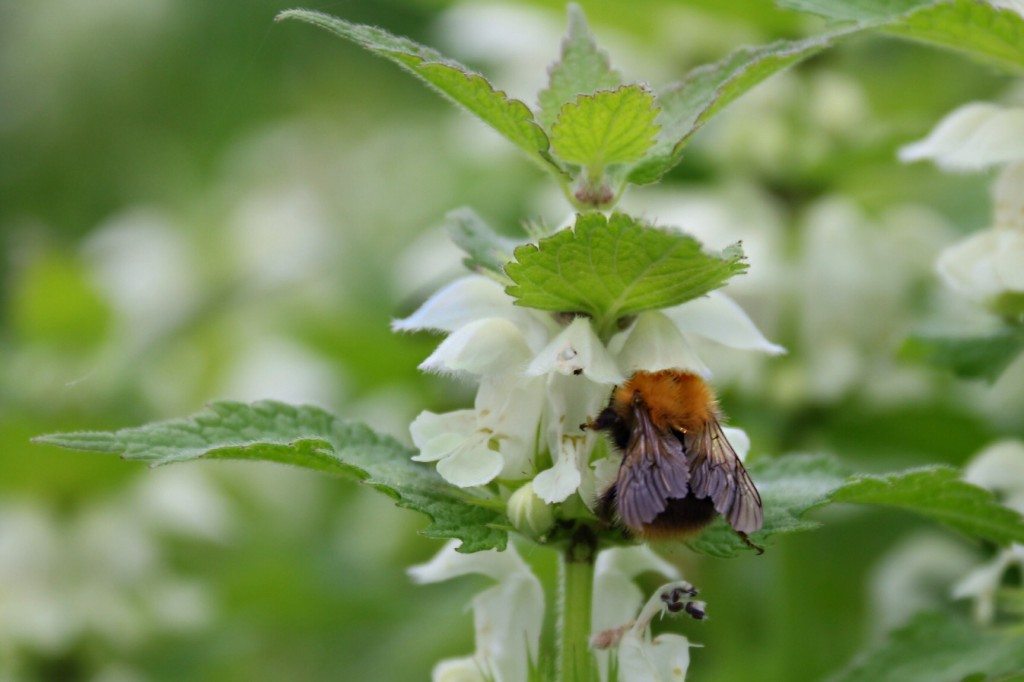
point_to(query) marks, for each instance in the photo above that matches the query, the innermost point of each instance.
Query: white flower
(616, 596)
(983, 582)
(973, 137)
(999, 468)
(989, 264)
(986, 265)
(473, 447)
(541, 377)
(507, 617)
(643, 658)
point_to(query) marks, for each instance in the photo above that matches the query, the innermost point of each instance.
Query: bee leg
(749, 543)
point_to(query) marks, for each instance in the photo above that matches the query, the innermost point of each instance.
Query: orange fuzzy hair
(674, 399)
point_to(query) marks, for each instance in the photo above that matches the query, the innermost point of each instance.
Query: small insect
(678, 470)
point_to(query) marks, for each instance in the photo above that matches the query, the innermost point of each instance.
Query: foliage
(311, 438)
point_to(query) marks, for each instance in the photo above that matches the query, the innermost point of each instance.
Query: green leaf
(606, 128)
(485, 249)
(688, 105)
(792, 486)
(937, 493)
(582, 69)
(510, 117)
(310, 438)
(940, 647)
(612, 267)
(983, 357)
(978, 29)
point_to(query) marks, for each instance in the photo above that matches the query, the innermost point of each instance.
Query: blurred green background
(198, 203)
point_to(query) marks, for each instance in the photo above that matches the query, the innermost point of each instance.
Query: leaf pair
(591, 131)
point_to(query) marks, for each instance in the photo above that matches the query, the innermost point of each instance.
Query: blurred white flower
(95, 575)
(973, 137)
(281, 235)
(988, 266)
(915, 576)
(999, 468)
(146, 267)
(535, 374)
(982, 584)
(277, 368)
(508, 617)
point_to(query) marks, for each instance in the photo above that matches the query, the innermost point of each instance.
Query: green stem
(576, 583)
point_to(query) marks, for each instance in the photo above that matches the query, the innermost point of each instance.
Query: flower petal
(465, 300)
(437, 435)
(616, 597)
(449, 563)
(1008, 197)
(488, 346)
(670, 654)
(577, 350)
(655, 343)
(967, 266)
(508, 619)
(474, 298)
(739, 440)
(1000, 468)
(973, 137)
(457, 670)
(472, 463)
(665, 659)
(511, 408)
(563, 479)
(721, 319)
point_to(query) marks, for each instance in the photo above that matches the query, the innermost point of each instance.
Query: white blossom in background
(999, 468)
(507, 617)
(988, 266)
(914, 576)
(539, 379)
(98, 577)
(146, 267)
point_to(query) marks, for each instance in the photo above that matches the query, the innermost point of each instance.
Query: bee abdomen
(682, 517)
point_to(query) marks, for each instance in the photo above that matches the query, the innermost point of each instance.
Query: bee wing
(717, 472)
(653, 470)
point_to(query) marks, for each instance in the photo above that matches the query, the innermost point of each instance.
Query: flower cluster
(541, 375)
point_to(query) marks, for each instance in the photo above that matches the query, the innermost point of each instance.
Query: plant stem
(576, 589)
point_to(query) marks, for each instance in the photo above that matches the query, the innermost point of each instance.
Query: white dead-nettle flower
(999, 468)
(507, 617)
(639, 656)
(617, 599)
(540, 378)
(989, 265)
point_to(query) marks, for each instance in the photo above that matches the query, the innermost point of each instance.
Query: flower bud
(528, 513)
